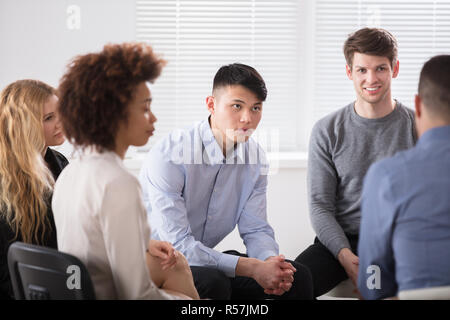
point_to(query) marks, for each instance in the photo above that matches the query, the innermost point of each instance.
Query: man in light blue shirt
(199, 183)
(404, 239)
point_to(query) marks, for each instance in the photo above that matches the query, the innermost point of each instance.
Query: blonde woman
(29, 124)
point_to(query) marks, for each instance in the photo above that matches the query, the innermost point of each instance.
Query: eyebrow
(148, 100)
(238, 100)
(381, 65)
(48, 114)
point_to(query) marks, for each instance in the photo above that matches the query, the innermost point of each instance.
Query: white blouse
(100, 219)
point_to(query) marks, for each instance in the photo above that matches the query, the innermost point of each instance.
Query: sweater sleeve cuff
(337, 245)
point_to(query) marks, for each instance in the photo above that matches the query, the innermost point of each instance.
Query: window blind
(422, 29)
(198, 37)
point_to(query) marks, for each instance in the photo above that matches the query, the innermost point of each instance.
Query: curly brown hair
(95, 91)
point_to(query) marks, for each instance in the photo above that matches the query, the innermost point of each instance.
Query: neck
(374, 110)
(120, 149)
(429, 124)
(221, 138)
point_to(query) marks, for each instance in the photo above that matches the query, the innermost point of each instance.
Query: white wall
(38, 39)
(287, 212)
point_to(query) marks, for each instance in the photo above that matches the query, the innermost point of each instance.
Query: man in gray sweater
(342, 147)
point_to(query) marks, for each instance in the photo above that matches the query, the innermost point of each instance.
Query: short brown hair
(95, 91)
(434, 86)
(371, 41)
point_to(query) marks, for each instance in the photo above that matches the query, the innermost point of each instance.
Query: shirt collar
(438, 133)
(214, 151)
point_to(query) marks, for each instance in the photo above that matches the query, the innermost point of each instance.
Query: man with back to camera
(405, 223)
(342, 147)
(201, 182)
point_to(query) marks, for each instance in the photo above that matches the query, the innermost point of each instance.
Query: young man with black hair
(200, 183)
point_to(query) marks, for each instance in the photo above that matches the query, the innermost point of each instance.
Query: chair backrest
(433, 293)
(41, 273)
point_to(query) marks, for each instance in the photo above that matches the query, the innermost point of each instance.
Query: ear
(396, 69)
(348, 71)
(418, 105)
(210, 104)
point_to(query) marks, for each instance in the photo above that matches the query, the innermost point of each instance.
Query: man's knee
(211, 283)
(302, 286)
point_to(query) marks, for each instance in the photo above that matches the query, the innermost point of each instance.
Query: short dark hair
(371, 41)
(95, 91)
(434, 85)
(241, 74)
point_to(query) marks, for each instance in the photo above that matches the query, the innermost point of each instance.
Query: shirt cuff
(265, 254)
(227, 264)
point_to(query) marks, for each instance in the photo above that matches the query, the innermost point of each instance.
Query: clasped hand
(275, 275)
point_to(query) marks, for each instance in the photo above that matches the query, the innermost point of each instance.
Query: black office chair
(41, 273)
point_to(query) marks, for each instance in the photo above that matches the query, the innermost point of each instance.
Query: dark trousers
(326, 271)
(214, 284)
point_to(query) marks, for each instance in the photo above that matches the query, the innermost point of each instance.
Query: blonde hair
(25, 181)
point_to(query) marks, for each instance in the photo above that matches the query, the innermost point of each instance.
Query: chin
(140, 143)
(57, 143)
(241, 139)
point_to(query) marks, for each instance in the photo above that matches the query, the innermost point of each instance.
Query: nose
(58, 120)
(372, 76)
(152, 119)
(246, 116)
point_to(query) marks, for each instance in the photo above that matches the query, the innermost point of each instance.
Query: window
(198, 37)
(422, 29)
(295, 45)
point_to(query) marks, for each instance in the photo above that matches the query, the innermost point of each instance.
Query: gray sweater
(343, 145)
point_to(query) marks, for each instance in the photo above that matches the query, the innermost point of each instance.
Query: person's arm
(322, 183)
(376, 278)
(124, 230)
(163, 182)
(255, 231)
(264, 265)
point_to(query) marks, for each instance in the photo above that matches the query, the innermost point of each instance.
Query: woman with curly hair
(29, 124)
(99, 213)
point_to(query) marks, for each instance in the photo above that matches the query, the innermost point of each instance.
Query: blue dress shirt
(195, 196)
(405, 226)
